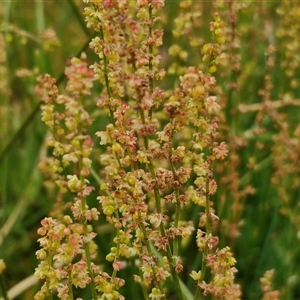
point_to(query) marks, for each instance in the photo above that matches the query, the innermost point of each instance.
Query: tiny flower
(42, 231)
(155, 219)
(70, 157)
(220, 151)
(156, 294)
(196, 275)
(92, 214)
(2, 266)
(158, 3)
(212, 187)
(117, 265)
(40, 254)
(74, 184)
(89, 237)
(211, 104)
(63, 291)
(103, 137)
(143, 14)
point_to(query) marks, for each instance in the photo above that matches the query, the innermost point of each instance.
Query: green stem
(85, 232)
(114, 274)
(88, 255)
(49, 291)
(197, 294)
(144, 290)
(96, 176)
(174, 274)
(163, 233)
(161, 226)
(145, 139)
(208, 227)
(148, 246)
(176, 222)
(156, 191)
(3, 287)
(207, 208)
(49, 261)
(150, 65)
(209, 64)
(105, 72)
(178, 207)
(70, 286)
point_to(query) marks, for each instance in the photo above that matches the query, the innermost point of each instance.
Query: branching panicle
(150, 174)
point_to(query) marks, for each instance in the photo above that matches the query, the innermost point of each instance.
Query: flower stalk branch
(154, 162)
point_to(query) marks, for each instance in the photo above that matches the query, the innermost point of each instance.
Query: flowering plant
(155, 163)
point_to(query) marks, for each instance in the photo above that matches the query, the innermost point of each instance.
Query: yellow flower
(2, 266)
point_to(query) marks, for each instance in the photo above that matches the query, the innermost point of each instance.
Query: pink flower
(117, 265)
(212, 106)
(220, 151)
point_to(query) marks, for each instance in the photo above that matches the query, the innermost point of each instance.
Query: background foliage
(258, 86)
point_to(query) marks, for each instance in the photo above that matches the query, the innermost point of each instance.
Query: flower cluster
(61, 243)
(267, 286)
(157, 154)
(289, 16)
(222, 284)
(212, 52)
(70, 236)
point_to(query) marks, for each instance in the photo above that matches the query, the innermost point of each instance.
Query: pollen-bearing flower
(153, 162)
(69, 236)
(221, 285)
(220, 151)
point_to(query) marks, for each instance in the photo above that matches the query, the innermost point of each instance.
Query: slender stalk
(174, 274)
(197, 294)
(176, 222)
(163, 233)
(152, 169)
(117, 255)
(70, 286)
(105, 72)
(84, 223)
(3, 287)
(114, 274)
(148, 245)
(208, 227)
(88, 260)
(177, 207)
(86, 245)
(207, 208)
(144, 290)
(49, 291)
(150, 49)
